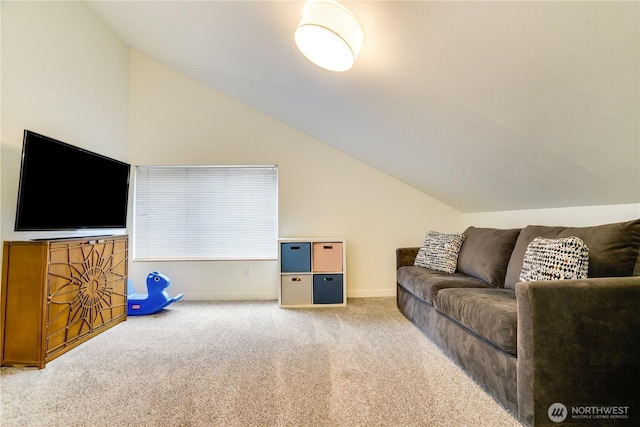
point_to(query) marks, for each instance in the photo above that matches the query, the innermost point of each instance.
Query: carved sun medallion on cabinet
(85, 290)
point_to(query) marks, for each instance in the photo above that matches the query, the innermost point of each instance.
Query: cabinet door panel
(86, 289)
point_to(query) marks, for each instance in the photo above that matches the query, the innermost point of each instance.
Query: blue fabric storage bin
(327, 289)
(295, 257)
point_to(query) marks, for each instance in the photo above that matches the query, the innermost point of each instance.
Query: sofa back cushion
(613, 248)
(485, 253)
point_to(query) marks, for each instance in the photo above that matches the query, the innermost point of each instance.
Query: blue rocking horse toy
(156, 299)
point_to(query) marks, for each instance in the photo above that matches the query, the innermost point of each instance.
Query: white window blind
(205, 212)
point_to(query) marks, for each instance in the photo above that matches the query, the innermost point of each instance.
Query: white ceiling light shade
(329, 35)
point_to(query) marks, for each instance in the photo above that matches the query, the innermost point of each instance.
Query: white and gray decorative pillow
(555, 259)
(440, 251)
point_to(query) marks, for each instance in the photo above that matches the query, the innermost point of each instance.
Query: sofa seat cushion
(425, 283)
(489, 313)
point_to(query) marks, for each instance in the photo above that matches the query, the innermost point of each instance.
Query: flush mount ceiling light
(329, 35)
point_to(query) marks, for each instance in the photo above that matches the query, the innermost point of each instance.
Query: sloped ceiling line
(487, 106)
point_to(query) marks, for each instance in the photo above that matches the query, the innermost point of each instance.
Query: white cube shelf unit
(313, 272)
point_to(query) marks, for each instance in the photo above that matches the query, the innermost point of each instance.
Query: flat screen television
(63, 187)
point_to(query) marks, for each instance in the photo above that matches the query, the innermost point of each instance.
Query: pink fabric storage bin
(327, 256)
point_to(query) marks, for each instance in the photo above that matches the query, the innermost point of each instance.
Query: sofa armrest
(405, 256)
(578, 345)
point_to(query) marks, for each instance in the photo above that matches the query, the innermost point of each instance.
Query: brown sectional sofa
(534, 345)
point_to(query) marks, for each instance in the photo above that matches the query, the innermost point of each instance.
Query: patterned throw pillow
(555, 259)
(440, 251)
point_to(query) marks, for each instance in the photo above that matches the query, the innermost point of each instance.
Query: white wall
(1, 239)
(64, 75)
(323, 192)
(583, 216)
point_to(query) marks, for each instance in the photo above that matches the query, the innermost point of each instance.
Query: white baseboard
(251, 296)
(371, 293)
(215, 296)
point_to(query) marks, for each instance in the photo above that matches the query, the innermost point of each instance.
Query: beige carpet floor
(252, 364)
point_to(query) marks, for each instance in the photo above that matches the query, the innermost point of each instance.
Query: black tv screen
(63, 187)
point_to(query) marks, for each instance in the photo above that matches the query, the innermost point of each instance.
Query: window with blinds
(205, 212)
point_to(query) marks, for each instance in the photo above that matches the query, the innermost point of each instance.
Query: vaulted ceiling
(487, 106)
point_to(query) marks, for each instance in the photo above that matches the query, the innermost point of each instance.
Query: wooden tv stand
(57, 294)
